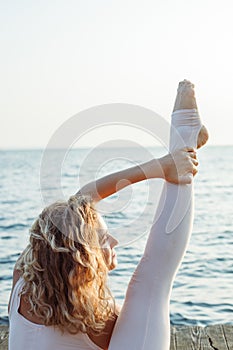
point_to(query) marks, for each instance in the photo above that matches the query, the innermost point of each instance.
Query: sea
(203, 289)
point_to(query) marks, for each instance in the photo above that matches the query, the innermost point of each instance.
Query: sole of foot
(203, 137)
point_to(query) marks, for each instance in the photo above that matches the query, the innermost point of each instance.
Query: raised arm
(172, 167)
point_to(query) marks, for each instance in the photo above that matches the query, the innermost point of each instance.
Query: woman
(60, 298)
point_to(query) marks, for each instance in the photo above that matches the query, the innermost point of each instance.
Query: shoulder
(104, 338)
(16, 276)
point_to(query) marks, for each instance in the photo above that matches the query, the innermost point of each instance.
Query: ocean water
(202, 292)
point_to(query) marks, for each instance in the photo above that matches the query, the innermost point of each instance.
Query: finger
(193, 155)
(186, 179)
(192, 168)
(187, 149)
(194, 161)
(195, 171)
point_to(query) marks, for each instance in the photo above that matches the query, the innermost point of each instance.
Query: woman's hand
(179, 165)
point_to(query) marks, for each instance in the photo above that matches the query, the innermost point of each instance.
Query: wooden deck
(3, 337)
(218, 337)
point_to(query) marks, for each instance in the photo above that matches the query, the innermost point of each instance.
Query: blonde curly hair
(64, 268)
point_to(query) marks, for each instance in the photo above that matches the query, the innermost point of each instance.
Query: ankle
(186, 117)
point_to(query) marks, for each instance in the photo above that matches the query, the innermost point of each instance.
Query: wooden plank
(228, 332)
(199, 338)
(192, 338)
(4, 337)
(216, 337)
(173, 339)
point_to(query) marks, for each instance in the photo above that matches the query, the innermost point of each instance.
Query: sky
(61, 57)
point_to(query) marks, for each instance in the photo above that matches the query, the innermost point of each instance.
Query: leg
(144, 320)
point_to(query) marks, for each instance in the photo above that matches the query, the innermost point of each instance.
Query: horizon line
(90, 147)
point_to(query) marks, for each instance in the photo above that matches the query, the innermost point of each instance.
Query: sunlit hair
(64, 269)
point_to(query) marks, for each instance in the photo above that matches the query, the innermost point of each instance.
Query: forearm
(113, 183)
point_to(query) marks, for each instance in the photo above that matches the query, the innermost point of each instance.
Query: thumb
(186, 179)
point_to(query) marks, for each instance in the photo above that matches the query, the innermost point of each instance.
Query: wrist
(164, 166)
(154, 168)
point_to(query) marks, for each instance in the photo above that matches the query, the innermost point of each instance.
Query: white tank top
(24, 334)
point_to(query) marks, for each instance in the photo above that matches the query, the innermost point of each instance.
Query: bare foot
(186, 99)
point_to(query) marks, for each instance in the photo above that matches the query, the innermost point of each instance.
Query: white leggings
(144, 323)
